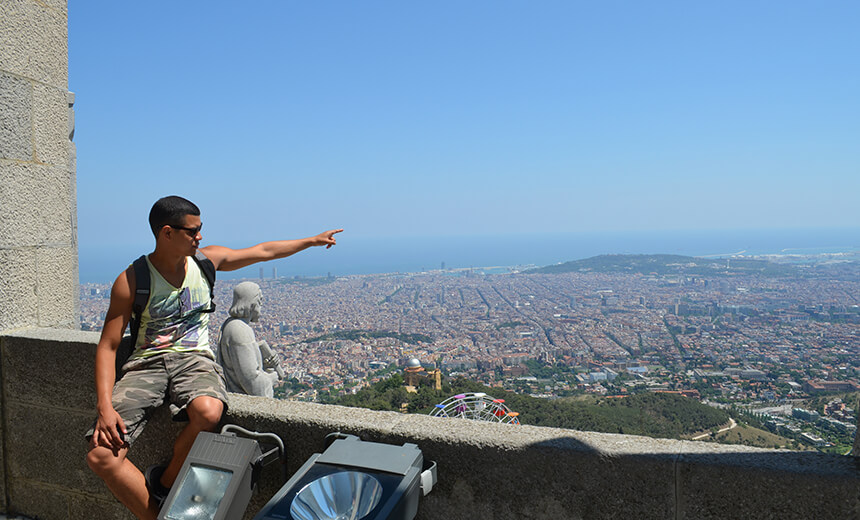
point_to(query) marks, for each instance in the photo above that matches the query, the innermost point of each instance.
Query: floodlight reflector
(346, 495)
(200, 493)
(354, 480)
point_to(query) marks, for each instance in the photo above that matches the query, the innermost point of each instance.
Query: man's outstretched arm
(226, 259)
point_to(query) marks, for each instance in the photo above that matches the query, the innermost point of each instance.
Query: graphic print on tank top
(175, 318)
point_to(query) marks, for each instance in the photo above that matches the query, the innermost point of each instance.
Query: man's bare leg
(204, 414)
(124, 480)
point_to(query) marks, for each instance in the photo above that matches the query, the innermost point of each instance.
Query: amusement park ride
(476, 406)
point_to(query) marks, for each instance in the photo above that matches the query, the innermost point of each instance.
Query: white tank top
(173, 321)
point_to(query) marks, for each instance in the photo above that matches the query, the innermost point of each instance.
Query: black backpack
(141, 300)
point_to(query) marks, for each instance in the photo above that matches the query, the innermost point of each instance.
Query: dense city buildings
(731, 337)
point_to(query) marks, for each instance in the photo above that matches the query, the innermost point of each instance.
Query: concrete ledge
(501, 471)
(4, 506)
(486, 471)
(50, 368)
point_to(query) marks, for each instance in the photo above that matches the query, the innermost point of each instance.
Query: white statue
(250, 366)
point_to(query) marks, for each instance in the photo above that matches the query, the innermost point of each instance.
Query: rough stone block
(34, 41)
(18, 301)
(84, 508)
(767, 484)
(47, 445)
(3, 505)
(51, 125)
(50, 367)
(36, 209)
(581, 483)
(73, 197)
(34, 501)
(60, 6)
(567, 471)
(16, 118)
(56, 268)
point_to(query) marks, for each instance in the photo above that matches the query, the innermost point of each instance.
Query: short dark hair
(170, 211)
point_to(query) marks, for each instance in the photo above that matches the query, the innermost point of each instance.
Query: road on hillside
(732, 424)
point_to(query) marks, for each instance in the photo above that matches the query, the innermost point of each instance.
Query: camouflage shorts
(178, 377)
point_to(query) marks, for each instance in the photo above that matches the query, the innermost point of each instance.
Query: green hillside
(749, 436)
(651, 414)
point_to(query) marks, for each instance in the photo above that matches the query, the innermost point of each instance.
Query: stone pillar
(38, 217)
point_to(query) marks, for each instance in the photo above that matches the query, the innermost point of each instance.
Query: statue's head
(247, 299)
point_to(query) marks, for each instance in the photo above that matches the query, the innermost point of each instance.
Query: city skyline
(395, 120)
(745, 332)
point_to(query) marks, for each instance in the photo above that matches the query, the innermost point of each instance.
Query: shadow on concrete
(687, 479)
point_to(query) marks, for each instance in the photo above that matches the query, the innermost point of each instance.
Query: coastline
(374, 255)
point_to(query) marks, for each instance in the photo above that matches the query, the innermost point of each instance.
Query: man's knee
(103, 460)
(205, 412)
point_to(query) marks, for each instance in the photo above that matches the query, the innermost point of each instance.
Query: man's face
(187, 237)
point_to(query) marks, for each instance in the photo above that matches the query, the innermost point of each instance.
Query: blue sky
(391, 119)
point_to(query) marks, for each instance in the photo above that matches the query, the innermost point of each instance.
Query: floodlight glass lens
(199, 494)
(346, 495)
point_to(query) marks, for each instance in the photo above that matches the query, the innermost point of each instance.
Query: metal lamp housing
(354, 480)
(216, 479)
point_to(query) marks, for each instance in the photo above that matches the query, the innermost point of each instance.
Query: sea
(101, 263)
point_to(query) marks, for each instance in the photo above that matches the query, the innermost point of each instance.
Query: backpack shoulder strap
(142, 284)
(208, 269)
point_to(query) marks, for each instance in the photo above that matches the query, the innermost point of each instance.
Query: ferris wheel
(476, 406)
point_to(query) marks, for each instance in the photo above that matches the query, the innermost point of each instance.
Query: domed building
(414, 373)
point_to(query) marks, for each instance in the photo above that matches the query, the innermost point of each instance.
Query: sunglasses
(191, 230)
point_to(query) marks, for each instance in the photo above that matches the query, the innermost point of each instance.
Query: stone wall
(38, 244)
(486, 471)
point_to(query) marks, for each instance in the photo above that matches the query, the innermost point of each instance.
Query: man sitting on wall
(172, 358)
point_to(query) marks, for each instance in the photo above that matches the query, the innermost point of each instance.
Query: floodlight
(218, 476)
(354, 480)
(200, 493)
(334, 496)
